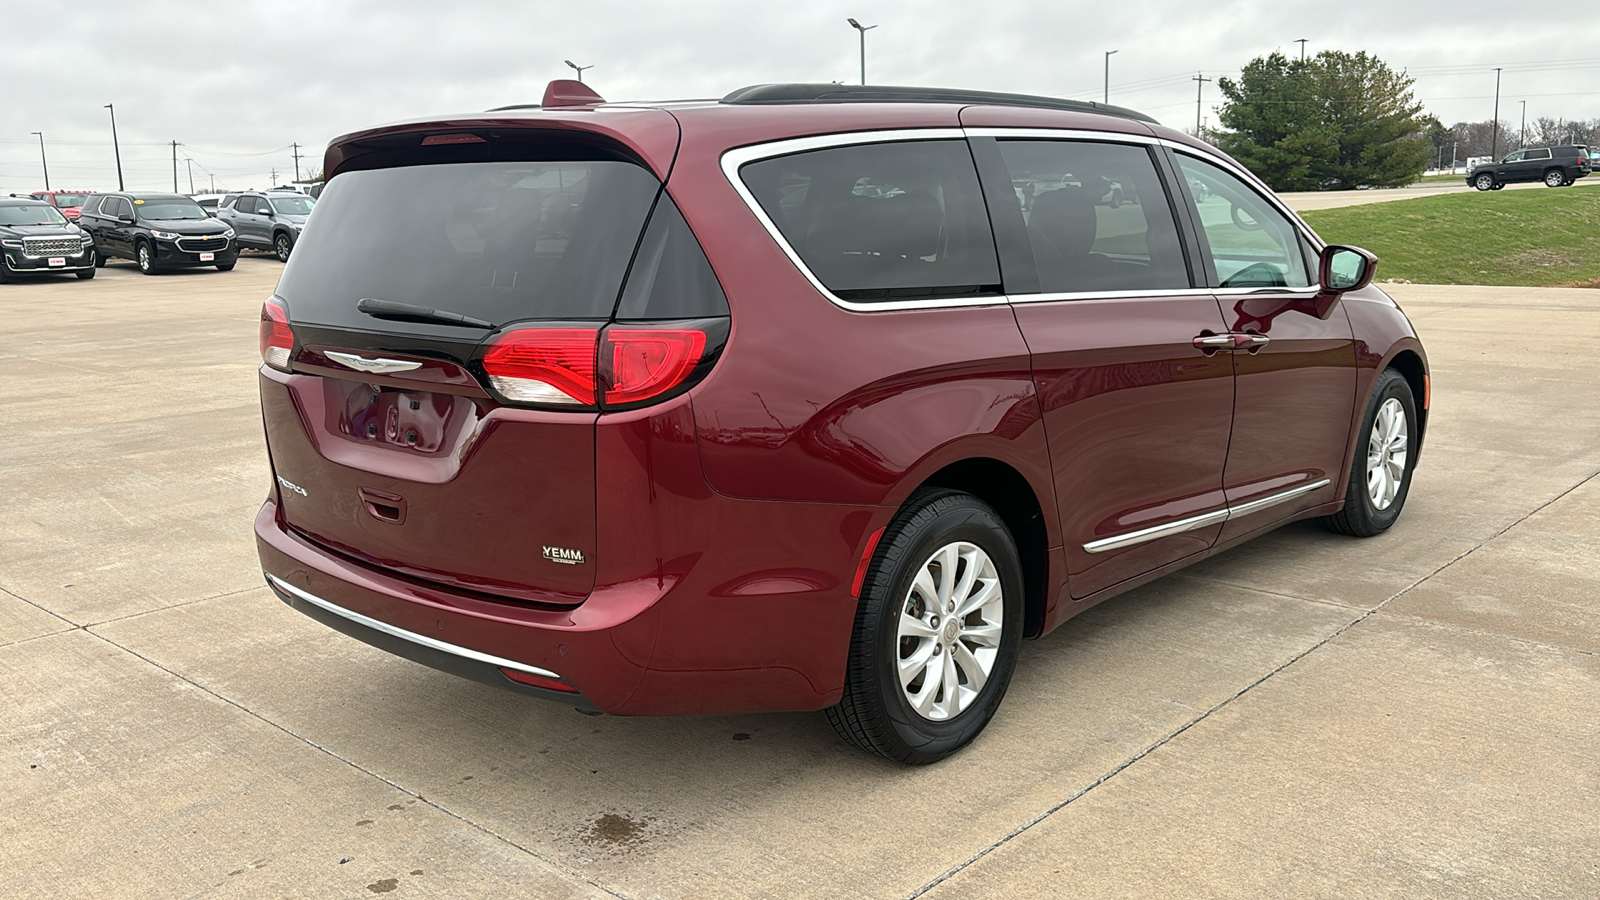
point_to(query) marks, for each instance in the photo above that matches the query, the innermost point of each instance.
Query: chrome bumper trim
(1168, 529)
(403, 634)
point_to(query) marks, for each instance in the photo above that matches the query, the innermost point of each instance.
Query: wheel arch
(1004, 487)
(1409, 363)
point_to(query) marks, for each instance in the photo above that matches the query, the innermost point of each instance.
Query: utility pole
(297, 158)
(114, 145)
(174, 167)
(577, 68)
(1302, 43)
(213, 184)
(1494, 128)
(42, 161)
(1105, 97)
(274, 177)
(1199, 90)
(189, 164)
(863, 29)
(1522, 131)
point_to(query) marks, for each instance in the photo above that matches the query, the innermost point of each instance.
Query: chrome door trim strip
(1112, 295)
(413, 637)
(733, 160)
(1245, 509)
(1117, 542)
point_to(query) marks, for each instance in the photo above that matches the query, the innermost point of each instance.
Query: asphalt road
(1301, 202)
(1308, 716)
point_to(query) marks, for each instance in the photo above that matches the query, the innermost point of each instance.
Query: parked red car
(785, 402)
(68, 202)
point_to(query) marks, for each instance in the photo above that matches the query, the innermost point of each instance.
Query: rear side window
(499, 241)
(886, 221)
(1098, 218)
(670, 278)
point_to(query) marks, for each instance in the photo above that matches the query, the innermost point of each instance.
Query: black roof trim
(874, 93)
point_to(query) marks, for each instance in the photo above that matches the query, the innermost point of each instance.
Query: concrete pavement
(1309, 715)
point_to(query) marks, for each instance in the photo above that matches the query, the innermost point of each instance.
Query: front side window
(1514, 157)
(1251, 243)
(1097, 216)
(118, 208)
(876, 222)
(246, 205)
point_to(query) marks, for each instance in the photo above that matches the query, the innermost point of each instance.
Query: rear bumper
(670, 643)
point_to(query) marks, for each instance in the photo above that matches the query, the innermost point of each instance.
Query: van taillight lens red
(277, 341)
(544, 365)
(646, 362)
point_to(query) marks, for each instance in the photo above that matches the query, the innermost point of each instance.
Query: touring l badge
(291, 486)
(564, 555)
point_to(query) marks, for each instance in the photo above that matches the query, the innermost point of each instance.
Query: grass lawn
(1540, 238)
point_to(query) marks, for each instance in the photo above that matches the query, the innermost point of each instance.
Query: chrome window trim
(413, 637)
(1061, 296)
(1117, 542)
(733, 160)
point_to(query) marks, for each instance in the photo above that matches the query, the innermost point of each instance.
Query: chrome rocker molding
(413, 637)
(1214, 517)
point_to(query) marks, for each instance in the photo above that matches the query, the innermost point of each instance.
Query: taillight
(549, 365)
(641, 363)
(613, 366)
(277, 341)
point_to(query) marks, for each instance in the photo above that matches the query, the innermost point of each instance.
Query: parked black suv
(1555, 166)
(267, 221)
(158, 231)
(36, 239)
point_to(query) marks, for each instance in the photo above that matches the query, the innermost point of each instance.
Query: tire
(282, 245)
(1555, 178)
(1484, 182)
(1379, 482)
(937, 531)
(99, 258)
(226, 267)
(145, 255)
(5, 272)
(85, 275)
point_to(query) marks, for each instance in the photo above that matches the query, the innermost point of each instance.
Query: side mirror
(124, 220)
(1345, 269)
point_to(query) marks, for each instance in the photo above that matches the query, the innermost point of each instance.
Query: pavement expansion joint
(1169, 737)
(579, 876)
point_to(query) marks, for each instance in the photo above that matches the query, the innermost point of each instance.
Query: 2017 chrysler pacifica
(789, 401)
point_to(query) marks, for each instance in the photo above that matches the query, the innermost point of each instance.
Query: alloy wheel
(282, 246)
(1553, 178)
(949, 631)
(1484, 182)
(1387, 448)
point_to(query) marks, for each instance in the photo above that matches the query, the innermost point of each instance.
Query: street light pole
(1494, 127)
(1302, 43)
(42, 161)
(189, 164)
(863, 29)
(577, 68)
(1522, 131)
(114, 146)
(1105, 97)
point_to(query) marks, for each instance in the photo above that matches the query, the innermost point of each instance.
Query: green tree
(1336, 121)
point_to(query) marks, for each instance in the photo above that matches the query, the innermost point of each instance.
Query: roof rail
(873, 93)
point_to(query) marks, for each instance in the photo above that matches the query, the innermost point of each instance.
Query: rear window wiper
(406, 312)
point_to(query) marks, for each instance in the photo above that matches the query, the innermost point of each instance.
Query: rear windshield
(499, 241)
(65, 200)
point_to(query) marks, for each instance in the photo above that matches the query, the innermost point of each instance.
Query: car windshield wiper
(406, 312)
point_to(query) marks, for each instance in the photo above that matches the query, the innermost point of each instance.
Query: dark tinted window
(883, 221)
(92, 204)
(670, 278)
(1538, 154)
(1097, 215)
(117, 207)
(499, 241)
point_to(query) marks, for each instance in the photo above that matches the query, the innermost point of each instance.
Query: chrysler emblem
(378, 366)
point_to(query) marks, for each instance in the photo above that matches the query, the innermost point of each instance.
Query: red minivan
(816, 397)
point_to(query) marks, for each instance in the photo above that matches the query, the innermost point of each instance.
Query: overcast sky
(237, 83)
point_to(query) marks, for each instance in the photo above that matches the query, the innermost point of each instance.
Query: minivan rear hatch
(390, 443)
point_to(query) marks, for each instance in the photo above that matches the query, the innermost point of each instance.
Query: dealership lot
(1413, 715)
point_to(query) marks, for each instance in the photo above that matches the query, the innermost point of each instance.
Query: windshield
(293, 206)
(31, 215)
(499, 241)
(166, 210)
(65, 200)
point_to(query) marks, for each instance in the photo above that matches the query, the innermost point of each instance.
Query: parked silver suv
(267, 221)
